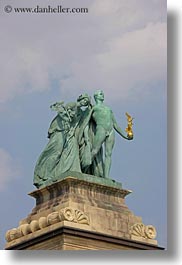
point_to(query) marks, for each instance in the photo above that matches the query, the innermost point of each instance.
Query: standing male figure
(105, 125)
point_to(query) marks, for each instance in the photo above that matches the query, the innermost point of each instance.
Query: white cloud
(8, 169)
(119, 44)
(120, 16)
(135, 59)
(129, 63)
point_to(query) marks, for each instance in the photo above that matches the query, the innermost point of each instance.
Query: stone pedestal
(81, 212)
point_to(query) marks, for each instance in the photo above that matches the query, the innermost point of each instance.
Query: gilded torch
(129, 127)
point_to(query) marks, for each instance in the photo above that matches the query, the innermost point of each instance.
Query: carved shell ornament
(81, 217)
(74, 215)
(68, 214)
(150, 231)
(140, 230)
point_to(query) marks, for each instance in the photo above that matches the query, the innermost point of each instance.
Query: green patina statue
(76, 136)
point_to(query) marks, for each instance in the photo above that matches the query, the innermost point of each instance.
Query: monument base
(81, 212)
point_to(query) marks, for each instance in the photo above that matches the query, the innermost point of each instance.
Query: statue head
(58, 106)
(71, 109)
(84, 100)
(99, 96)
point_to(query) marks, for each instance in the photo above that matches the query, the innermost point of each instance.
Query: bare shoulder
(95, 107)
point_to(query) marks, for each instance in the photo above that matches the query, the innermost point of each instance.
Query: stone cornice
(68, 183)
(84, 234)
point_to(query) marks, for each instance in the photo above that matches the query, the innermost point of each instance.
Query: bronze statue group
(76, 138)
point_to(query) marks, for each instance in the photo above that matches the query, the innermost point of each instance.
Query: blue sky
(119, 47)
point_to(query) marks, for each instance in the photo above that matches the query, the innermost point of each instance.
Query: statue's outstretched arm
(119, 130)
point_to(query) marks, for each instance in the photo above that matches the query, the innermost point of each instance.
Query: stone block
(78, 213)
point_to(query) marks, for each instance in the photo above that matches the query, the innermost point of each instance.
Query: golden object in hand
(129, 127)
